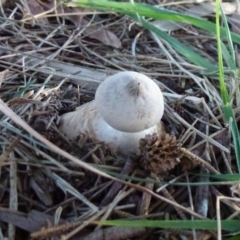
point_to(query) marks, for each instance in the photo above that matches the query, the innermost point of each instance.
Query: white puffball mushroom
(130, 102)
(127, 107)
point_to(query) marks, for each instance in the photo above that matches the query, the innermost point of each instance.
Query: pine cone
(159, 153)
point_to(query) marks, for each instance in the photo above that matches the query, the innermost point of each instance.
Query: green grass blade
(232, 60)
(227, 177)
(150, 11)
(191, 55)
(228, 225)
(231, 120)
(227, 180)
(227, 108)
(228, 57)
(224, 92)
(236, 237)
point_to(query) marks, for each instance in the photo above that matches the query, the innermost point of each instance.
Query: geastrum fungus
(127, 106)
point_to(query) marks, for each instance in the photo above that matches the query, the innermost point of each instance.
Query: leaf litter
(51, 187)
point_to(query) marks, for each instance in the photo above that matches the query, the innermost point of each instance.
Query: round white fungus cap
(129, 101)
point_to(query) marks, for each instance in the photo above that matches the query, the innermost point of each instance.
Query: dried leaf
(28, 94)
(95, 32)
(3, 2)
(3, 75)
(33, 222)
(36, 9)
(101, 34)
(18, 101)
(76, 19)
(7, 4)
(42, 187)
